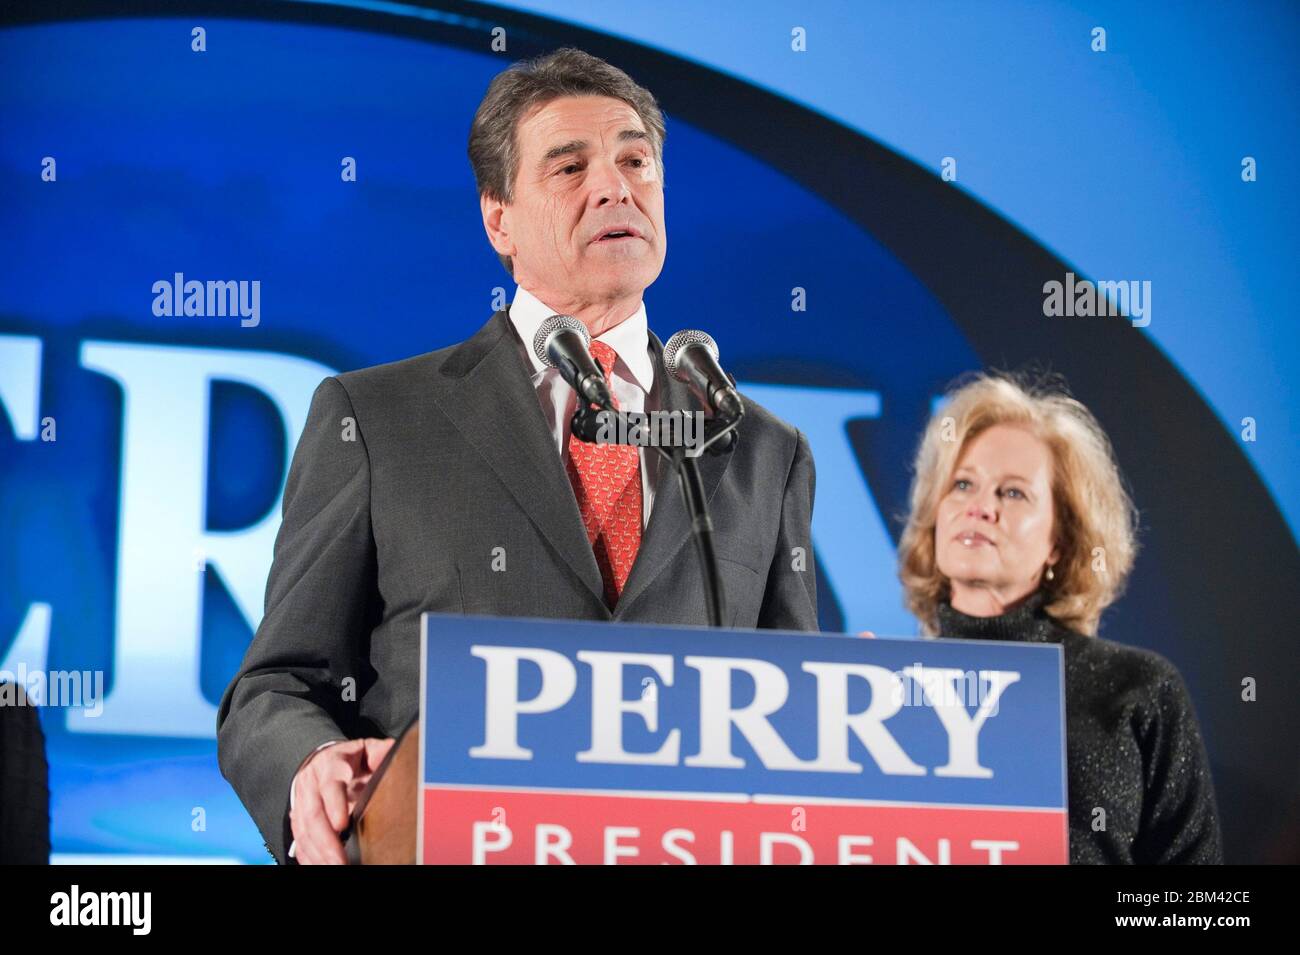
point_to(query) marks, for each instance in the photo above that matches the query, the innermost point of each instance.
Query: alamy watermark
(939, 687)
(209, 299)
(133, 909)
(652, 429)
(64, 688)
(1129, 299)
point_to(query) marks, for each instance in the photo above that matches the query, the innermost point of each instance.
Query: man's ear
(496, 226)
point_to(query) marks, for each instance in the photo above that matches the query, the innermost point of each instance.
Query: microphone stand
(719, 438)
(702, 527)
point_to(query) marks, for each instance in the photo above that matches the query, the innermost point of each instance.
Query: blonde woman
(1021, 529)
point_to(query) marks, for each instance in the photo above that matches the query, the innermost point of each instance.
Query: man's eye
(638, 160)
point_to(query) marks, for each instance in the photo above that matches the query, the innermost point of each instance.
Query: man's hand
(327, 788)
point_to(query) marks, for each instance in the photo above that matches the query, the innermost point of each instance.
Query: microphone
(562, 343)
(692, 356)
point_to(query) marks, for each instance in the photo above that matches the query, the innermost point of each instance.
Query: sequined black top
(1139, 778)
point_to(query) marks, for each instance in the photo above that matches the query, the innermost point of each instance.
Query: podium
(383, 825)
(544, 741)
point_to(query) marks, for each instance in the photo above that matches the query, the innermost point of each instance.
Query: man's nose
(608, 184)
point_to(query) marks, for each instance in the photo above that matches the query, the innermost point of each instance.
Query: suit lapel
(669, 528)
(486, 391)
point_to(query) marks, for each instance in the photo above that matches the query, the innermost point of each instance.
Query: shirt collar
(630, 338)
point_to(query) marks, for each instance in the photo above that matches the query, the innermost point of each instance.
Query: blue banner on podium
(547, 741)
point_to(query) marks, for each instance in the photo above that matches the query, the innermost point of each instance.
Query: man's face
(586, 166)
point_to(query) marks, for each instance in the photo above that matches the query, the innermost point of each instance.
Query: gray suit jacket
(451, 458)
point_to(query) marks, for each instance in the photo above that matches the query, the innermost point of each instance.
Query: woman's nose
(982, 508)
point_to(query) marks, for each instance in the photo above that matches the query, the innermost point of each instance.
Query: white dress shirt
(632, 380)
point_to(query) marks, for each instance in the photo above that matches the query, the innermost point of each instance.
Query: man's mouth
(617, 235)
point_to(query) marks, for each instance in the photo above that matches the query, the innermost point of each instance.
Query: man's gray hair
(513, 93)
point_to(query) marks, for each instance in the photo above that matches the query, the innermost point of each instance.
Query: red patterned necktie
(607, 483)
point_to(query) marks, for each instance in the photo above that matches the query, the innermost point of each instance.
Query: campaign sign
(551, 742)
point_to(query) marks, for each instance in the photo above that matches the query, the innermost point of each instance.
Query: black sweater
(1133, 745)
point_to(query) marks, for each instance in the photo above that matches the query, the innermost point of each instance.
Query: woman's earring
(1050, 574)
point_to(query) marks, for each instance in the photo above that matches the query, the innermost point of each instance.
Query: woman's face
(993, 532)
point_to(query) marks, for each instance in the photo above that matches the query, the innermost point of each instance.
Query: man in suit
(449, 481)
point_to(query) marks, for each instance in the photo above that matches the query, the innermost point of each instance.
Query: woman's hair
(1094, 520)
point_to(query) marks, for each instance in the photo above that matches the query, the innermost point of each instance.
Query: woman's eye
(961, 484)
(1013, 492)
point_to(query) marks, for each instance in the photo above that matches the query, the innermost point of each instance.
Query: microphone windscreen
(553, 326)
(683, 339)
